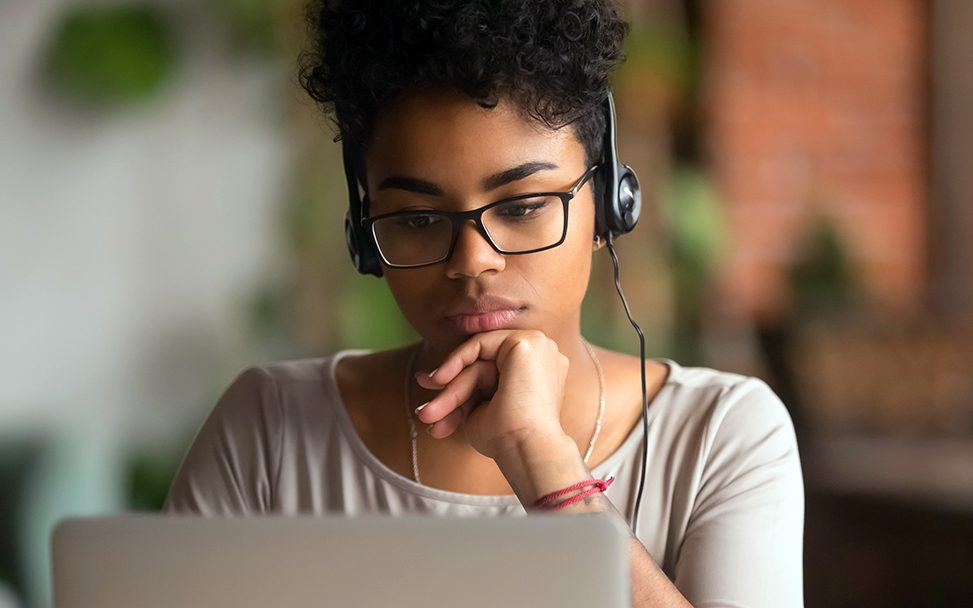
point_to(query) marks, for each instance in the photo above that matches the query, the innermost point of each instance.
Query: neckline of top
(601, 470)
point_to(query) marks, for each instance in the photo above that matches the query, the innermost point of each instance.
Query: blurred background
(171, 207)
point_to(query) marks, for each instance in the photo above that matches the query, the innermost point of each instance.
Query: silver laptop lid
(160, 561)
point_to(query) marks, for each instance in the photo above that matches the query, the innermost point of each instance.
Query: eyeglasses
(521, 224)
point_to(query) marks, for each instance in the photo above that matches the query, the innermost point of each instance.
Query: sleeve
(744, 540)
(231, 467)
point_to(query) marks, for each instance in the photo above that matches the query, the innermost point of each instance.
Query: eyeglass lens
(516, 226)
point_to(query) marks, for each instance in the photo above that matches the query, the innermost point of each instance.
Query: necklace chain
(412, 425)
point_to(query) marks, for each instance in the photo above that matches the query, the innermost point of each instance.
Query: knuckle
(521, 342)
(531, 338)
(538, 335)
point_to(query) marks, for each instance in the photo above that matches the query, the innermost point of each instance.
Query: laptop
(156, 561)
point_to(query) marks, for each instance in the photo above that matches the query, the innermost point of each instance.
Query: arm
(545, 464)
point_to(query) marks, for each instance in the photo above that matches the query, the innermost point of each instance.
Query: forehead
(447, 138)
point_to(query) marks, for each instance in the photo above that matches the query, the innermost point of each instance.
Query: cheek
(578, 242)
(408, 287)
(577, 249)
(560, 275)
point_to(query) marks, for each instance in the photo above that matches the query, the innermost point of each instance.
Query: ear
(597, 242)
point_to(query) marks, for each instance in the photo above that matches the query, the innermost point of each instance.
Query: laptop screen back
(162, 561)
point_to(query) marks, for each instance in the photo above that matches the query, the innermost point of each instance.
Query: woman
(448, 107)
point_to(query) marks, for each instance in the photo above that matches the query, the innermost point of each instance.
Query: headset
(617, 211)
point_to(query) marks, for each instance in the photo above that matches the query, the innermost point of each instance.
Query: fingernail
(433, 372)
(429, 429)
(419, 409)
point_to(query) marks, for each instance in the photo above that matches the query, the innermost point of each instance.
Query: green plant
(110, 54)
(822, 279)
(149, 477)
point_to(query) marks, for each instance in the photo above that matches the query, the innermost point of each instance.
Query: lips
(485, 313)
(487, 321)
(482, 304)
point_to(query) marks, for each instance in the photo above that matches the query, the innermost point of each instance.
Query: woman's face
(438, 150)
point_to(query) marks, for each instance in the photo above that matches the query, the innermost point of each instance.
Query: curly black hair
(551, 58)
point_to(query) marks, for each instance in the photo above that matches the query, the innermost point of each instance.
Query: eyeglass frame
(458, 218)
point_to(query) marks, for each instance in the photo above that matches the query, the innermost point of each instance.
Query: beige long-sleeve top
(722, 510)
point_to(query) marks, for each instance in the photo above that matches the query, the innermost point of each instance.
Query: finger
(481, 377)
(493, 346)
(448, 425)
(423, 380)
(478, 346)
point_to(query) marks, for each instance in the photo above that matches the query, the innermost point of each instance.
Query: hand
(502, 387)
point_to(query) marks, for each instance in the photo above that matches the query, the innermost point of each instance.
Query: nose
(472, 254)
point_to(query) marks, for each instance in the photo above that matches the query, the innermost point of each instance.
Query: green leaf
(110, 54)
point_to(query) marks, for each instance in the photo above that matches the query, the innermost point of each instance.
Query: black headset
(616, 210)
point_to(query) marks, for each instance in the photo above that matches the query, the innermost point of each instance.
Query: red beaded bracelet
(543, 502)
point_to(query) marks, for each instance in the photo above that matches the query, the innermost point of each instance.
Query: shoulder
(721, 400)
(268, 390)
(358, 370)
(712, 383)
(236, 457)
(287, 375)
(722, 425)
(292, 371)
(738, 433)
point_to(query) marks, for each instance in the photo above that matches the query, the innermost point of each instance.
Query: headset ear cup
(629, 201)
(368, 258)
(626, 202)
(371, 264)
(361, 248)
(351, 239)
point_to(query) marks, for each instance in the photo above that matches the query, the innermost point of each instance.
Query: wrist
(529, 442)
(540, 464)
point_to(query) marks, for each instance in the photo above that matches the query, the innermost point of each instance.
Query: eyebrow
(421, 186)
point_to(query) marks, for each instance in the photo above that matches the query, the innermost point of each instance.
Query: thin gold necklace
(409, 414)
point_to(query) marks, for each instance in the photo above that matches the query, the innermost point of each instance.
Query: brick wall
(818, 106)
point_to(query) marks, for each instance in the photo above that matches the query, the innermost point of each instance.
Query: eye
(523, 209)
(417, 221)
